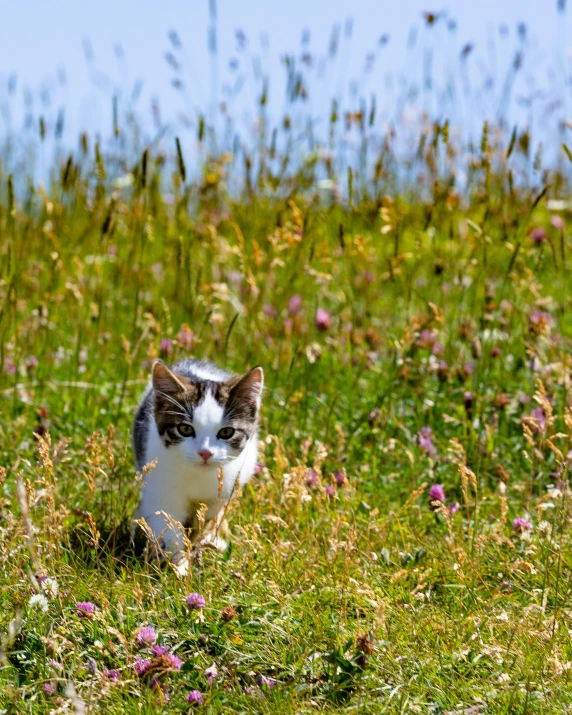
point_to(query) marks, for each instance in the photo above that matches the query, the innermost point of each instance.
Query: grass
(443, 358)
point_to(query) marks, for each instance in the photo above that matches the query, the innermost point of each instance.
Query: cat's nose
(206, 454)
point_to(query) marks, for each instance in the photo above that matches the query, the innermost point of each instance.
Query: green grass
(459, 610)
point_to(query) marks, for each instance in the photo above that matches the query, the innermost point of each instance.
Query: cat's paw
(212, 541)
(181, 566)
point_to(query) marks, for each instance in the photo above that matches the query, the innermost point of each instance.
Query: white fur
(208, 372)
(181, 478)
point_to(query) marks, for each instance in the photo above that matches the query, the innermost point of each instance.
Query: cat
(194, 419)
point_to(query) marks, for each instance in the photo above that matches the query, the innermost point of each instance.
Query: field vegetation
(405, 545)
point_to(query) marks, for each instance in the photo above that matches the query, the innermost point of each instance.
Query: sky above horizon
(42, 42)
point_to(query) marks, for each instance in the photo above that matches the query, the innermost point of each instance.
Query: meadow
(405, 545)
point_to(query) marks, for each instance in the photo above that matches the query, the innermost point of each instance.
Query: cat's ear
(249, 387)
(164, 380)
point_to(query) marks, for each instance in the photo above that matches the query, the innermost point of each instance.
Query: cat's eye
(186, 430)
(225, 433)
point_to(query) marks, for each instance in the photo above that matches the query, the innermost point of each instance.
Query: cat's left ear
(164, 380)
(249, 387)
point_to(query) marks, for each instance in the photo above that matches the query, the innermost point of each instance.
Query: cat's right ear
(164, 380)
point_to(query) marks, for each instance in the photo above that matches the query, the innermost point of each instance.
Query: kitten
(194, 419)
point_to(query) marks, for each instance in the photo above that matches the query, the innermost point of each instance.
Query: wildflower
(557, 222)
(146, 636)
(85, 609)
(164, 691)
(520, 525)
(55, 665)
(501, 400)
(258, 468)
(186, 338)
(437, 493)
(340, 477)
(262, 681)
(269, 310)
(424, 439)
(166, 347)
(159, 650)
(538, 235)
(453, 507)
(111, 674)
(38, 602)
(468, 401)
(50, 587)
(556, 491)
(31, 363)
(539, 322)
(535, 421)
(228, 613)
(538, 316)
(373, 417)
(495, 352)
(364, 643)
(311, 478)
(442, 370)
(91, 666)
(330, 490)
(294, 305)
(539, 418)
(438, 348)
(49, 688)
(10, 367)
(142, 666)
(426, 339)
(313, 352)
(174, 661)
(195, 697)
(211, 673)
(323, 319)
(195, 600)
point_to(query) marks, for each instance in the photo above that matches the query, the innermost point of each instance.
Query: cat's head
(210, 422)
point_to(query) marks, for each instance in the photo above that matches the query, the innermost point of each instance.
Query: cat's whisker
(230, 415)
(171, 399)
(180, 414)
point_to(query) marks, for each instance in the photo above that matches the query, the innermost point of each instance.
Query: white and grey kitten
(194, 419)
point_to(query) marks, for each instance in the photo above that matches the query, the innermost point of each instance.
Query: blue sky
(39, 39)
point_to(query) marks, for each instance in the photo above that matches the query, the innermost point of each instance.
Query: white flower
(38, 602)
(50, 587)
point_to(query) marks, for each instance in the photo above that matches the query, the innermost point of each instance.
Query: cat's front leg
(214, 532)
(169, 541)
